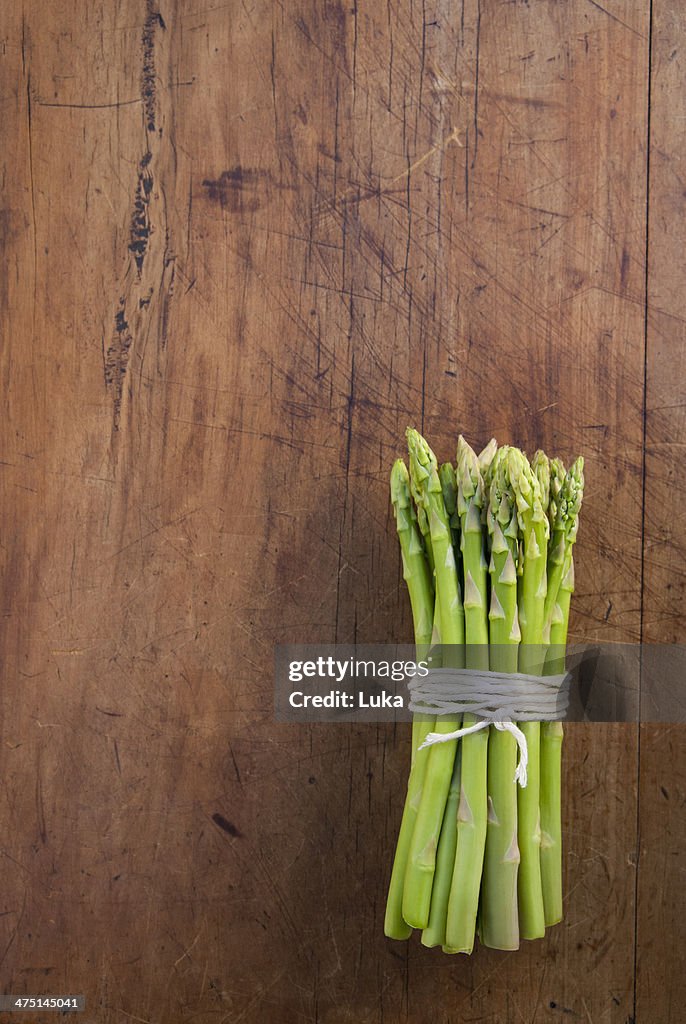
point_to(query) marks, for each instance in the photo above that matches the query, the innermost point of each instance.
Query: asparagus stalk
(560, 620)
(420, 722)
(421, 516)
(417, 576)
(473, 807)
(560, 588)
(499, 911)
(533, 531)
(552, 735)
(446, 475)
(416, 571)
(421, 865)
(470, 507)
(434, 933)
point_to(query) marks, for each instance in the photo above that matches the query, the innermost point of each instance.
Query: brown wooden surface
(661, 984)
(244, 244)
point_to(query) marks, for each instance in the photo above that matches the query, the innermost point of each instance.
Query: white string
(520, 774)
(499, 698)
(495, 695)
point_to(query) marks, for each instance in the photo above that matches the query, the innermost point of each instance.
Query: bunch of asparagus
(487, 557)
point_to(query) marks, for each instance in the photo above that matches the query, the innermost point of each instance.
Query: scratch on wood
(613, 17)
(114, 105)
(358, 193)
(187, 952)
(40, 808)
(476, 82)
(235, 766)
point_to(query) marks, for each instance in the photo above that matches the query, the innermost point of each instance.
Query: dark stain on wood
(139, 234)
(236, 189)
(117, 359)
(225, 825)
(153, 21)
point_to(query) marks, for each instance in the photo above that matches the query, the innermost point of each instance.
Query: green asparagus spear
(560, 587)
(421, 866)
(533, 531)
(420, 722)
(473, 807)
(434, 933)
(499, 911)
(416, 572)
(419, 584)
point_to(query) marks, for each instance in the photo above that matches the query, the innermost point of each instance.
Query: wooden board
(245, 245)
(661, 987)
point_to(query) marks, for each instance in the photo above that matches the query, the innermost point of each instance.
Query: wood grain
(661, 987)
(246, 244)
